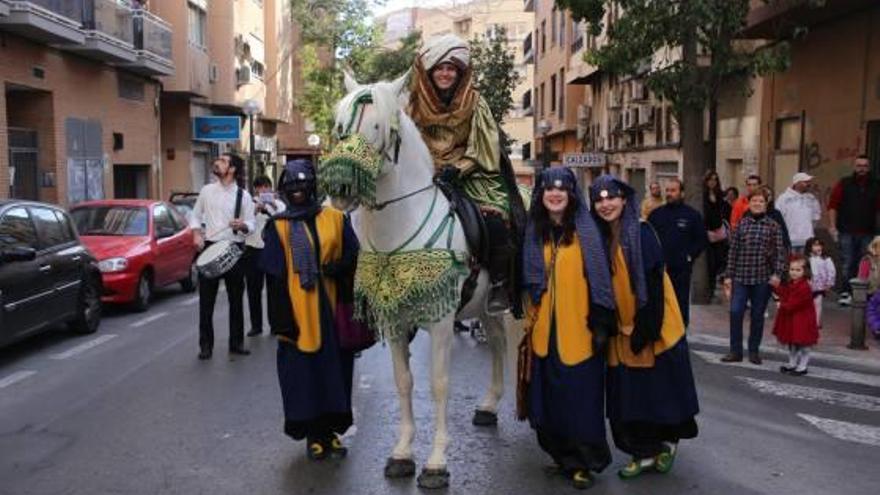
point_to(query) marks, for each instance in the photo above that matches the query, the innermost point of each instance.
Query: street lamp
(543, 129)
(251, 108)
(314, 140)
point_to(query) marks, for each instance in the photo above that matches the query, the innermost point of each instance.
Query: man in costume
(651, 397)
(465, 143)
(308, 249)
(571, 315)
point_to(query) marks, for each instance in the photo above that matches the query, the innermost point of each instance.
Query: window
(66, 226)
(162, 221)
(543, 36)
(198, 29)
(562, 93)
(541, 103)
(257, 69)
(110, 220)
(49, 230)
(553, 93)
(788, 134)
(130, 88)
(561, 28)
(553, 26)
(16, 230)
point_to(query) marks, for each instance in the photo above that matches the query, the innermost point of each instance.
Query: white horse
(405, 191)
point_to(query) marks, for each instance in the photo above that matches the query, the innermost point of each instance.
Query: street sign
(217, 128)
(584, 160)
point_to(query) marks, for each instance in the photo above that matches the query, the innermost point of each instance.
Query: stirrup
(581, 479)
(635, 468)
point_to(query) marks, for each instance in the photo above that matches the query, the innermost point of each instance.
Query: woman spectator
(716, 215)
(757, 256)
(652, 400)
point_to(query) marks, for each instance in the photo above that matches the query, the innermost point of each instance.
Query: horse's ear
(350, 83)
(400, 84)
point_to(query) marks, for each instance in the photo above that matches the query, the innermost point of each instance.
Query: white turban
(446, 48)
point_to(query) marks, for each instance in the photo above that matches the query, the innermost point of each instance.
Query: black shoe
(241, 351)
(337, 450)
(205, 354)
(499, 301)
(786, 369)
(798, 372)
(755, 358)
(254, 333)
(731, 358)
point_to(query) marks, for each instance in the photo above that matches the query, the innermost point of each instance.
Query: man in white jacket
(800, 209)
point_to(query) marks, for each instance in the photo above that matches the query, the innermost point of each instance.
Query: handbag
(354, 335)
(719, 234)
(523, 376)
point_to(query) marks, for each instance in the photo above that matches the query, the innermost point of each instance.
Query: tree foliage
(337, 34)
(494, 72)
(647, 28)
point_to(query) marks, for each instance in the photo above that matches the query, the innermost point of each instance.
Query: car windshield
(110, 220)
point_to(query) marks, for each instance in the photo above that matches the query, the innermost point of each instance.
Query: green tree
(494, 72)
(703, 34)
(337, 34)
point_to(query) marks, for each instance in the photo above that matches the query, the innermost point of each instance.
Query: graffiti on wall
(814, 158)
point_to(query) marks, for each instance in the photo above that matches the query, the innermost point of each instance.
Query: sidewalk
(711, 324)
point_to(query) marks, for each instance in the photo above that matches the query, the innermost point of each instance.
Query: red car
(140, 245)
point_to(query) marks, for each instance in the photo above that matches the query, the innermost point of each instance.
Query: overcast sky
(391, 5)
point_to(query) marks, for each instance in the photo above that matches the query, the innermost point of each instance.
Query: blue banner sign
(216, 128)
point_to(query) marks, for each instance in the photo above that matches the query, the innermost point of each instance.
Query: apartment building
(474, 19)
(234, 58)
(825, 109)
(79, 103)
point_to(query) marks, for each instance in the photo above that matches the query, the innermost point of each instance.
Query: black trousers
(681, 284)
(255, 280)
(208, 288)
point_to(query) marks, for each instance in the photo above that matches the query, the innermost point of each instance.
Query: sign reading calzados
(576, 160)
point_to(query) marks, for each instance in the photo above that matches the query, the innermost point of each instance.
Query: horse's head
(367, 125)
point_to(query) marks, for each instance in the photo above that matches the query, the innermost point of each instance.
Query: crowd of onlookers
(760, 249)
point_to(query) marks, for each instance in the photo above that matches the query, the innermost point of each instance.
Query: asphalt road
(130, 410)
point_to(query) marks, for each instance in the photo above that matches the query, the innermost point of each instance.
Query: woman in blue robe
(651, 397)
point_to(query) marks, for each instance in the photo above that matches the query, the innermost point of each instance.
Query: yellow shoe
(635, 468)
(337, 449)
(316, 451)
(581, 479)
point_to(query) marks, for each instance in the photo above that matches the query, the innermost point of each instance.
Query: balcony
(152, 44)
(109, 30)
(527, 104)
(4, 8)
(57, 22)
(778, 19)
(528, 50)
(529, 5)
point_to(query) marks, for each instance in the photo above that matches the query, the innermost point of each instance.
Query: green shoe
(635, 468)
(664, 461)
(581, 479)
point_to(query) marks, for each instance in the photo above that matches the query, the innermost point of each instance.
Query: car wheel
(89, 307)
(191, 282)
(144, 293)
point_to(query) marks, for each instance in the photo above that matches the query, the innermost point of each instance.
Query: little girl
(795, 324)
(869, 269)
(823, 271)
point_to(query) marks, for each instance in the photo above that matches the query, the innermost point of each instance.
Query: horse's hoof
(400, 468)
(433, 479)
(485, 418)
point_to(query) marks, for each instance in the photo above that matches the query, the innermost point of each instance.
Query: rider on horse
(465, 143)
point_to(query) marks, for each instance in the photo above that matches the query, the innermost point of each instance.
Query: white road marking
(867, 362)
(16, 377)
(190, 301)
(832, 397)
(83, 347)
(842, 430)
(814, 371)
(149, 319)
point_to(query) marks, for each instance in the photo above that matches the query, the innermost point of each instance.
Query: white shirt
(255, 238)
(215, 208)
(800, 211)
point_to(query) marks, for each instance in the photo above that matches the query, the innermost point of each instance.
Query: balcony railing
(71, 9)
(528, 49)
(56, 22)
(577, 45)
(152, 34)
(109, 18)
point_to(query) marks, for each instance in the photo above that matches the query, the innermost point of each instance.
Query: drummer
(226, 211)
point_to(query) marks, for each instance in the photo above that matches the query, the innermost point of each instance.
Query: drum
(218, 259)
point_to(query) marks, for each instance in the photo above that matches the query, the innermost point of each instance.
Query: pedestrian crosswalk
(817, 391)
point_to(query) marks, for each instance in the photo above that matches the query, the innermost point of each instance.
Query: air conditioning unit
(585, 113)
(213, 73)
(243, 75)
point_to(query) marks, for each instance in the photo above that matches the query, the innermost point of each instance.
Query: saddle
(472, 223)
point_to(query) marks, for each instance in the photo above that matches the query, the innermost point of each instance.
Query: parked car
(140, 245)
(184, 202)
(47, 276)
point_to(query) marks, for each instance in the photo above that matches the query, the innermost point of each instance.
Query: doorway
(23, 164)
(131, 181)
(873, 150)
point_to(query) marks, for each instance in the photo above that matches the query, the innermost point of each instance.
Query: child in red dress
(795, 324)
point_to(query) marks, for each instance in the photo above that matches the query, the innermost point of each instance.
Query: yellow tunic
(619, 351)
(567, 301)
(305, 303)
